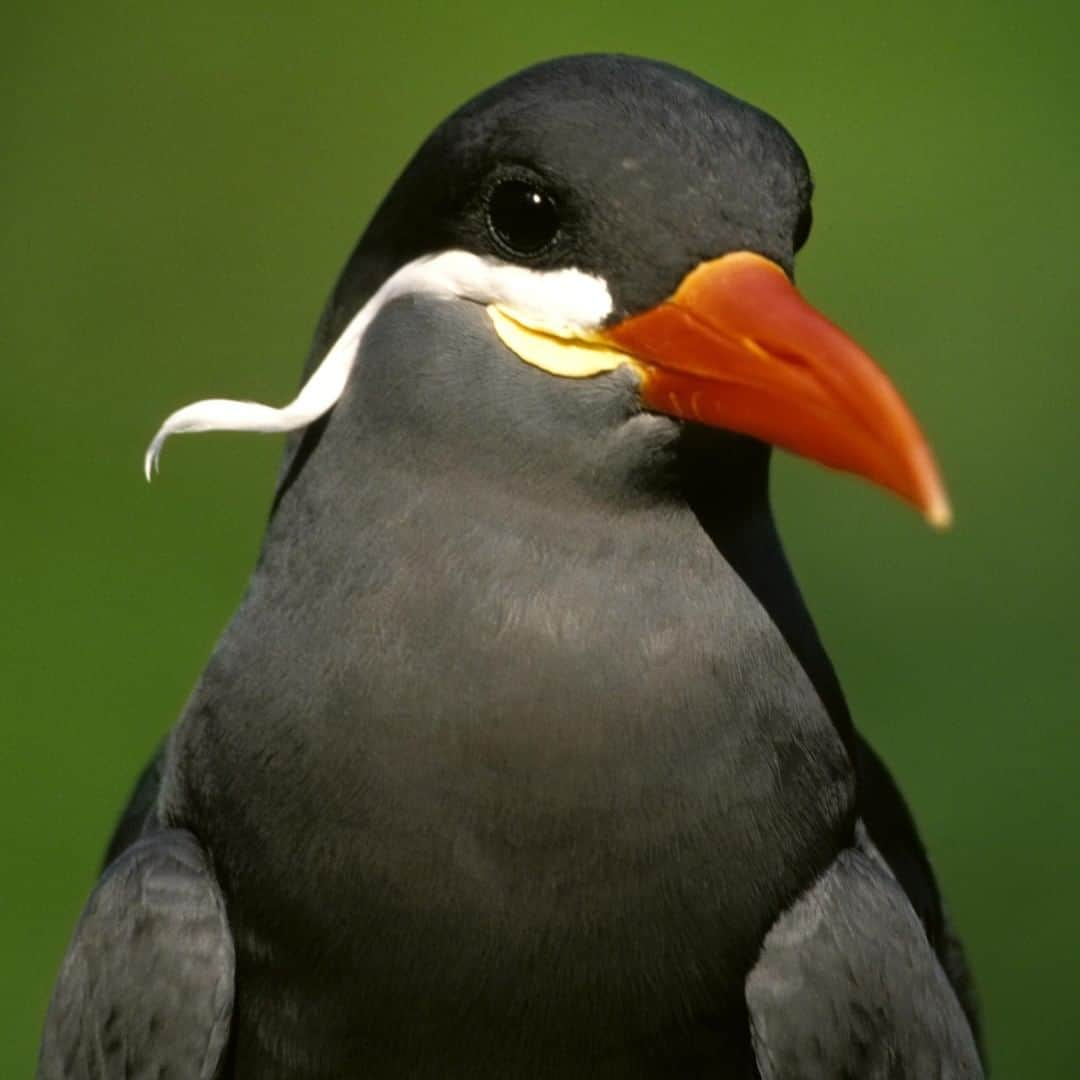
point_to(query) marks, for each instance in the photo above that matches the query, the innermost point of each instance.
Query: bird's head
(611, 215)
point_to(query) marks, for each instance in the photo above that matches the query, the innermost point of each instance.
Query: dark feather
(146, 988)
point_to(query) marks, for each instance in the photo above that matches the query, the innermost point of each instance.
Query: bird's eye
(522, 219)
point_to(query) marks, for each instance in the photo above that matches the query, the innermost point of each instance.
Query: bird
(522, 755)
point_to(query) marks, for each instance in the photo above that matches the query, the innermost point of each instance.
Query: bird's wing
(847, 985)
(892, 830)
(140, 813)
(146, 988)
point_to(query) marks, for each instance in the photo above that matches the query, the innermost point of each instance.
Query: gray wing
(894, 836)
(146, 987)
(140, 813)
(848, 986)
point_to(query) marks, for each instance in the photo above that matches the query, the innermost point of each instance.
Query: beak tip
(938, 512)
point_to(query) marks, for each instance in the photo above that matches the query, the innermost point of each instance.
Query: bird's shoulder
(146, 987)
(884, 812)
(847, 984)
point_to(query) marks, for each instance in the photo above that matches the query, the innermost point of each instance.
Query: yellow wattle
(571, 358)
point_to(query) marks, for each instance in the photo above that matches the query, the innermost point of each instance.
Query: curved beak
(738, 347)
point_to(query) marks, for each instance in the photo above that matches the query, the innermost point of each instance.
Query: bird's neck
(733, 506)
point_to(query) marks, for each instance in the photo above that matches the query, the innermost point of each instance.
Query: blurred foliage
(179, 189)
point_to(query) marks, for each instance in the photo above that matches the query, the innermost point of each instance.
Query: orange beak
(737, 347)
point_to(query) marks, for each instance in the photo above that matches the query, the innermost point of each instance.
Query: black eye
(522, 219)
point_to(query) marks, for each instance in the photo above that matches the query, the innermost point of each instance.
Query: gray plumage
(146, 990)
(521, 756)
(848, 988)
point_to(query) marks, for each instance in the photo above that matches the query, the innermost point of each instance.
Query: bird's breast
(583, 786)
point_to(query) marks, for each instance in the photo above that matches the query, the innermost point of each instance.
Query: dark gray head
(625, 225)
(638, 172)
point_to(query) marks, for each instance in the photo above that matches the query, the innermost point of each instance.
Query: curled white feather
(561, 302)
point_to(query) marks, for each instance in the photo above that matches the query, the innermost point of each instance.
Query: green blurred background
(178, 191)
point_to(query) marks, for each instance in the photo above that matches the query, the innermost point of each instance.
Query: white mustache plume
(564, 303)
